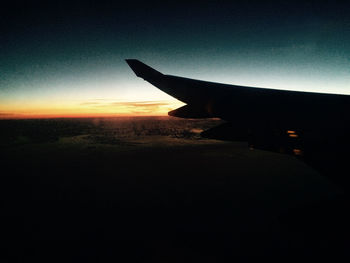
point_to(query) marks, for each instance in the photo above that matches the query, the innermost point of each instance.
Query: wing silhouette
(312, 126)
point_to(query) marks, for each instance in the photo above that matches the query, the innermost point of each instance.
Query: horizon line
(75, 116)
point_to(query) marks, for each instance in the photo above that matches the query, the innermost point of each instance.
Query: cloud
(103, 102)
(141, 103)
(131, 107)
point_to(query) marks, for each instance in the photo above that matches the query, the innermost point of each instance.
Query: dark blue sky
(59, 53)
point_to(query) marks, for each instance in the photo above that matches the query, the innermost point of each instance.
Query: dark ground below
(151, 190)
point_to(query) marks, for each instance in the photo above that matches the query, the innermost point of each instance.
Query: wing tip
(133, 65)
(141, 69)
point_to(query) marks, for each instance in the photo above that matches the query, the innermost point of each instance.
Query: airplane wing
(312, 126)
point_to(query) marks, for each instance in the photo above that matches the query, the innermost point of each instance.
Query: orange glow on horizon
(90, 108)
(55, 116)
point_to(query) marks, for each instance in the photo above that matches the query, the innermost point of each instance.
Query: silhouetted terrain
(152, 190)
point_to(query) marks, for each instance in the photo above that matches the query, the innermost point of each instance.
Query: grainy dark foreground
(151, 190)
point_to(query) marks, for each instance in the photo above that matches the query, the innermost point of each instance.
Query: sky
(66, 59)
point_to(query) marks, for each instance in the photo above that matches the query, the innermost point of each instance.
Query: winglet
(142, 70)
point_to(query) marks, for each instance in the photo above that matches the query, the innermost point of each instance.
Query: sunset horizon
(90, 108)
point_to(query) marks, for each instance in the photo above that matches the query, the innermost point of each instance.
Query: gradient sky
(67, 59)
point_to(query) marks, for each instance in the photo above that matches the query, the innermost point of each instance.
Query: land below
(151, 189)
